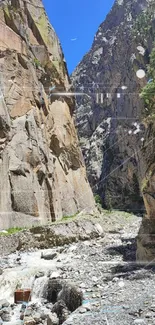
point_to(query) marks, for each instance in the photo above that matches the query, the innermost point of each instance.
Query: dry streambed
(116, 290)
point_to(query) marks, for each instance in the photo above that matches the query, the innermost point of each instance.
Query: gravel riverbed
(117, 291)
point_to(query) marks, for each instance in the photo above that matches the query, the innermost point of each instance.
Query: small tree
(98, 199)
(148, 92)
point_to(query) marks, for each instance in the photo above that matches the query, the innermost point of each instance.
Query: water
(39, 288)
(15, 322)
(15, 317)
(22, 276)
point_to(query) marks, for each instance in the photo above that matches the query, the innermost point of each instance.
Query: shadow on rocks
(131, 270)
(127, 250)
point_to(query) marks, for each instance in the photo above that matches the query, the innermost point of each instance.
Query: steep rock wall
(42, 172)
(108, 117)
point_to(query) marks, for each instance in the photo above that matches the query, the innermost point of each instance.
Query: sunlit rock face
(108, 118)
(42, 172)
(146, 236)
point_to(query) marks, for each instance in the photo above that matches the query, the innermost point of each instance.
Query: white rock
(139, 321)
(141, 50)
(121, 284)
(99, 228)
(140, 73)
(55, 275)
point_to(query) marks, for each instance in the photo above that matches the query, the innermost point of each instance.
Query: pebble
(82, 310)
(55, 275)
(139, 321)
(121, 284)
(82, 285)
(88, 306)
(115, 279)
(148, 315)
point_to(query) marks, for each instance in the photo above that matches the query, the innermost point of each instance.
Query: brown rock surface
(42, 173)
(146, 236)
(60, 233)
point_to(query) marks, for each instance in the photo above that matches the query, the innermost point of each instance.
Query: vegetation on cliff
(143, 24)
(148, 92)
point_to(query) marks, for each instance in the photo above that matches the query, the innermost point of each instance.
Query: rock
(37, 317)
(51, 236)
(139, 321)
(6, 317)
(4, 303)
(49, 256)
(39, 275)
(29, 321)
(148, 315)
(152, 307)
(61, 310)
(49, 306)
(36, 158)
(28, 311)
(82, 285)
(121, 284)
(71, 295)
(99, 229)
(87, 306)
(52, 319)
(55, 275)
(96, 115)
(115, 279)
(54, 287)
(82, 310)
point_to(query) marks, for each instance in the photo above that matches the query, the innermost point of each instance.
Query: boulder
(52, 319)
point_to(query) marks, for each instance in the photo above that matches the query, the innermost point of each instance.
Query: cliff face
(42, 172)
(108, 118)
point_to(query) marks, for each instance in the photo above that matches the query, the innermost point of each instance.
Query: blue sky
(76, 19)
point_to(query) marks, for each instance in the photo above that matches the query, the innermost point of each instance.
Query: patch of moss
(7, 11)
(144, 184)
(146, 180)
(148, 92)
(42, 24)
(37, 63)
(70, 217)
(11, 231)
(108, 212)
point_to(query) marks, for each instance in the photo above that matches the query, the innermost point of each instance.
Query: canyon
(115, 128)
(59, 153)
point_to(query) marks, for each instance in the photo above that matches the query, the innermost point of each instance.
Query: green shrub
(143, 23)
(98, 199)
(37, 63)
(148, 92)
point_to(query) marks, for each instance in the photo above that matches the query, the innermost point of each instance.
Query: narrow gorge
(115, 128)
(77, 170)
